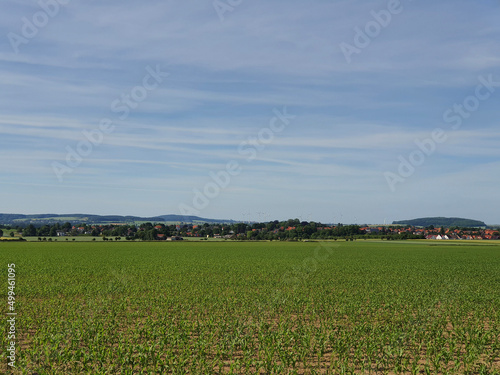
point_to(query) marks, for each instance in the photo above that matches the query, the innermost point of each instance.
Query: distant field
(263, 307)
(70, 239)
(100, 239)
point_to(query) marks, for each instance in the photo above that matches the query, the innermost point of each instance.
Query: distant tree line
(289, 230)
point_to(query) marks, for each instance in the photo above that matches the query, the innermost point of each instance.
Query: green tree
(147, 226)
(44, 231)
(30, 230)
(239, 228)
(251, 234)
(151, 235)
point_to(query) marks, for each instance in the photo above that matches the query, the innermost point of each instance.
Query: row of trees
(292, 229)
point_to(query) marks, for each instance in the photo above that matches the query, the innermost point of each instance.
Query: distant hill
(41, 219)
(442, 222)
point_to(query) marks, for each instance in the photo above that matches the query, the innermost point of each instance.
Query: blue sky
(352, 117)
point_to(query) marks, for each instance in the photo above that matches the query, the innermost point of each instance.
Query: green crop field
(227, 307)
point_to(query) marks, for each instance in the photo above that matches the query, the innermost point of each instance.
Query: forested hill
(446, 222)
(20, 219)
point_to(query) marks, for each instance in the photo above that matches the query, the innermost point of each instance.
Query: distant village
(290, 230)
